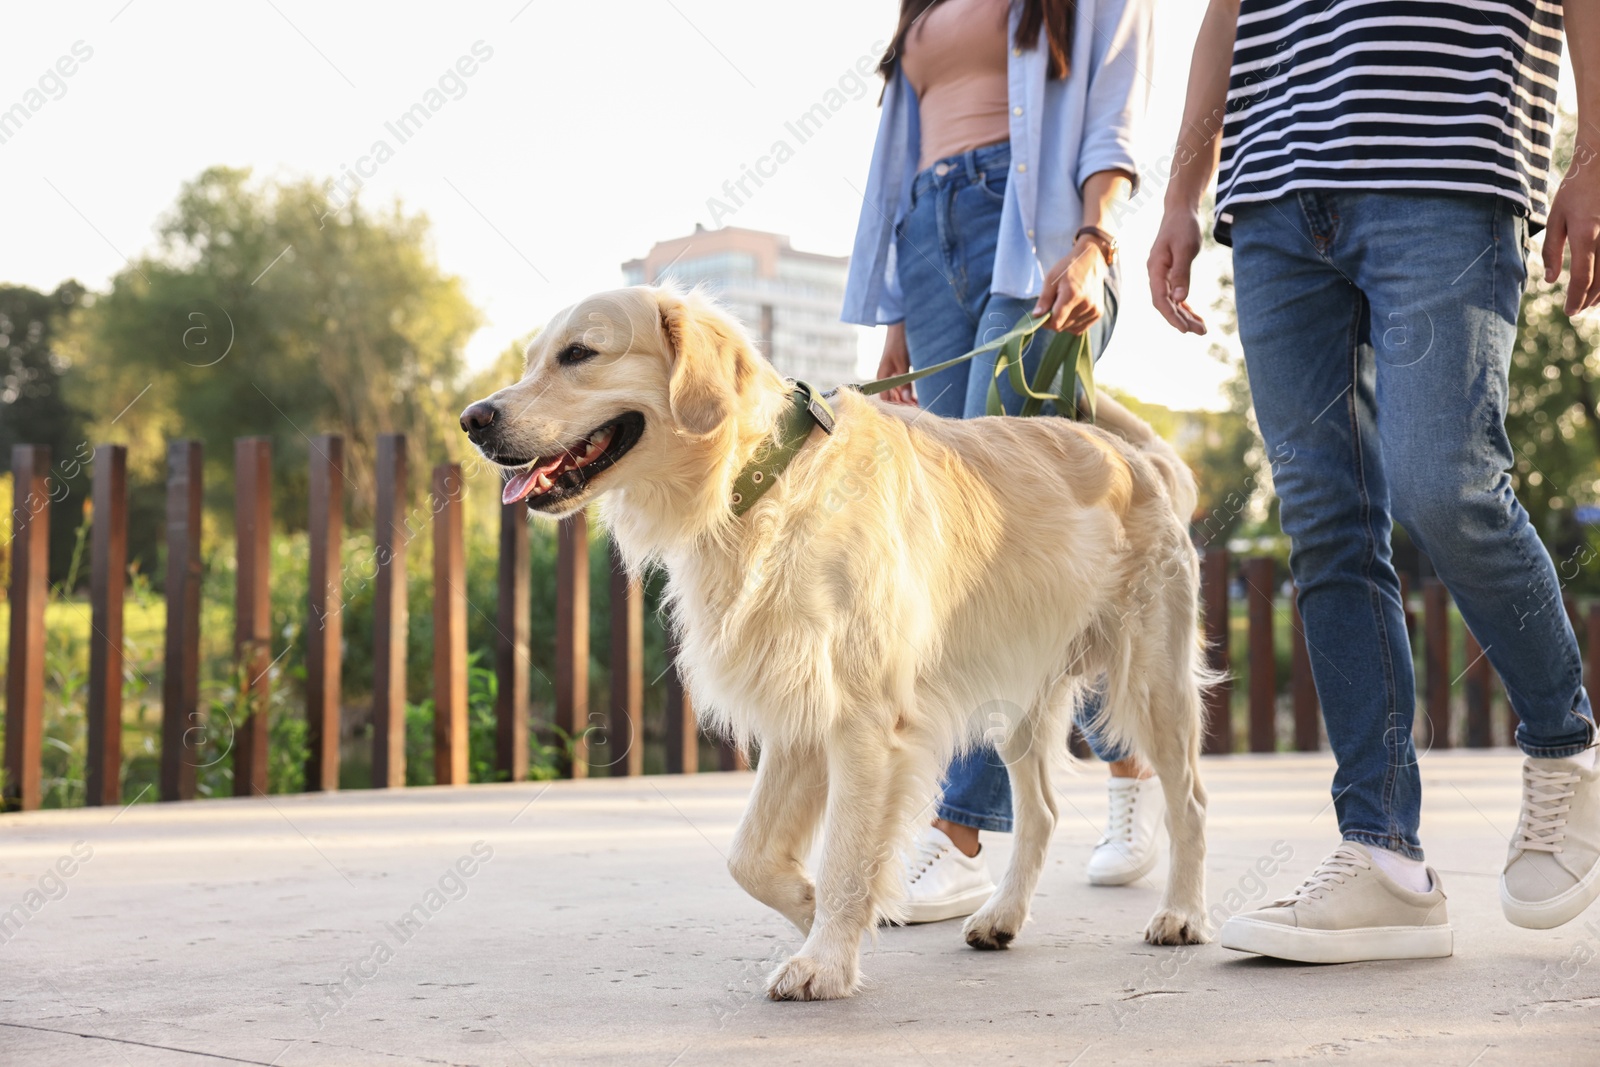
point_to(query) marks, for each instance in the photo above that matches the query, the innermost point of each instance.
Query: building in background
(788, 300)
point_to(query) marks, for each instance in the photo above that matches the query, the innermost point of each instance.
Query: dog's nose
(478, 416)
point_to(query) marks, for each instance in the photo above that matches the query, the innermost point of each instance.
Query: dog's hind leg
(1175, 723)
(852, 870)
(912, 803)
(769, 848)
(1027, 751)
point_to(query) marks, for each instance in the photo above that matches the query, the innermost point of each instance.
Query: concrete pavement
(594, 923)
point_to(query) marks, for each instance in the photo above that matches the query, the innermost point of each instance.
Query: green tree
(1551, 417)
(261, 313)
(34, 408)
(1226, 455)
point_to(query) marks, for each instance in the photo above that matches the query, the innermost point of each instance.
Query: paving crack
(141, 1044)
(1156, 993)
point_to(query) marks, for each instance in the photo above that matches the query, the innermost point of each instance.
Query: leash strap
(806, 409)
(1066, 373)
(1066, 369)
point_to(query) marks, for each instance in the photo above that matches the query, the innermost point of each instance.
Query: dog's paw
(992, 928)
(808, 978)
(1171, 927)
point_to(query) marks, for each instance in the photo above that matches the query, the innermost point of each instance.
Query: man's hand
(1176, 245)
(897, 360)
(1575, 222)
(1074, 292)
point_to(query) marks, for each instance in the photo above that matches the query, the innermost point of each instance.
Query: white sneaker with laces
(1552, 870)
(1348, 910)
(941, 882)
(1136, 814)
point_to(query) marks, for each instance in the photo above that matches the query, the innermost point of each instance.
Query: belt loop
(974, 172)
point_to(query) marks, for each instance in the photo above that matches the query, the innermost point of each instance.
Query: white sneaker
(1127, 852)
(1553, 868)
(1347, 911)
(941, 882)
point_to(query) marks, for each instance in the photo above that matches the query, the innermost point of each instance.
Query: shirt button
(1016, 51)
(1033, 248)
(1016, 111)
(1022, 168)
(1030, 235)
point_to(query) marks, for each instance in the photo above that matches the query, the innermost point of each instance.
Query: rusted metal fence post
(325, 614)
(252, 628)
(389, 617)
(730, 758)
(572, 640)
(511, 660)
(1433, 729)
(108, 575)
(1218, 698)
(182, 728)
(30, 589)
(1405, 604)
(626, 727)
(683, 732)
(1259, 581)
(1591, 659)
(450, 747)
(1480, 682)
(1307, 714)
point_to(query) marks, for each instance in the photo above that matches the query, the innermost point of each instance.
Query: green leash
(1065, 364)
(1059, 360)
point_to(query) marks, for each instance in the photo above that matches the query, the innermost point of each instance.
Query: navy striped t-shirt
(1447, 95)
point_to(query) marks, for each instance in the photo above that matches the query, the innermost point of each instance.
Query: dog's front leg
(769, 848)
(856, 858)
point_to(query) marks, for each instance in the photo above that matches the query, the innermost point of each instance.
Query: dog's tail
(1112, 416)
(1184, 495)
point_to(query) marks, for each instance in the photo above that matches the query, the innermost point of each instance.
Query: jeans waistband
(966, 166)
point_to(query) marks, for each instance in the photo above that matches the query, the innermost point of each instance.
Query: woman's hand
(1074, 293)
(1176, 245)
(897, 360)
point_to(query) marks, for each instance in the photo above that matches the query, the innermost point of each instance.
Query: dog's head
(611, 388)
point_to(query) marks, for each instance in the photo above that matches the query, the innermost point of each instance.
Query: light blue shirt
(1062, 132)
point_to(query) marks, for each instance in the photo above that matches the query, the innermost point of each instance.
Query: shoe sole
(1557, 911)
(1337, 946)
(1124, 877)
(937, 911)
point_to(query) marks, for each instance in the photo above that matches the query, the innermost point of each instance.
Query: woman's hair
(1055, 17)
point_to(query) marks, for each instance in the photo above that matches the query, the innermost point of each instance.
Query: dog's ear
(705, 373)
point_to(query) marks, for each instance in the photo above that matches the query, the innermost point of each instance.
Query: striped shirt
(1447, 95)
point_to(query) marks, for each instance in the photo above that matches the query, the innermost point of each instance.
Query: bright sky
(585, 132)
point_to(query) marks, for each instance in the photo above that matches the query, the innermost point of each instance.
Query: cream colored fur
(909, 586)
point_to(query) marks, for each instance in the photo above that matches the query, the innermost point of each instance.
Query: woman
(1004, 145)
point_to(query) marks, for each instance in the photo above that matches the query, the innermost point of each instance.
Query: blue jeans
(1378, 329)
(945, 251)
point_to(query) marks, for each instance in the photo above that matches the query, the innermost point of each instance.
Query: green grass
(68, 625)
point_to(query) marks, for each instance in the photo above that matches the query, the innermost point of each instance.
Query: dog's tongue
(520, 486)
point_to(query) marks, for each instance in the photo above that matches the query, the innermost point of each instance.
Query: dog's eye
(576, 352)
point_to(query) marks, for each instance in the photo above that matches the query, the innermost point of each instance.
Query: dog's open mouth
(547, 481)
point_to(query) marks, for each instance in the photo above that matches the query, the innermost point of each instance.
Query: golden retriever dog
(907, 586)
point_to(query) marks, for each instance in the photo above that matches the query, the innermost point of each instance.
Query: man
(1382, 165)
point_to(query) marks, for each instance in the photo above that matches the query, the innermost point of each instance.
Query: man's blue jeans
(945, 251)
(1378, 330)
